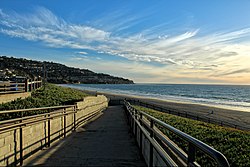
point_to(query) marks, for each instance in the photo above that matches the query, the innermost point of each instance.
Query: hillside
(55, 72)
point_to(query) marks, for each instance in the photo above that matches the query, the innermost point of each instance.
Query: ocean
(235, 97)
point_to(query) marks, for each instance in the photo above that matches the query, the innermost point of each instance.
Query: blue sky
(147, 41)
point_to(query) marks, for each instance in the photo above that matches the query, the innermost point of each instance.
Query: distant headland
(54, 72)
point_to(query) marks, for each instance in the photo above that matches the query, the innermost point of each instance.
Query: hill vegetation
(234, 144)
(50, 95)
(55, 72)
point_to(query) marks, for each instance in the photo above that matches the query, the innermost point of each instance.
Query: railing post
(131, 122)
(36, 83)
(135, 125)
(21, 145)
(191, 154)
(64, 123)
(74, 117)
(31, 86)
(48, 145)
(140, 120)
(151, 145)
(134, 120)
(128, 112)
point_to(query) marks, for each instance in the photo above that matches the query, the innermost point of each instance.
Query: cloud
(84, 58)
(185, 51)
(240, 71)
(44, 26)
(82, 53)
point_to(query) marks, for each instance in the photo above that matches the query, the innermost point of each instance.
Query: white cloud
(187, 51)
(82, 53)
(45, 26)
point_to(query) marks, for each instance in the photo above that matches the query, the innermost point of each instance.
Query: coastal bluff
(55, 72)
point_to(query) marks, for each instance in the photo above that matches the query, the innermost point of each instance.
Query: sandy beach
(241, 118)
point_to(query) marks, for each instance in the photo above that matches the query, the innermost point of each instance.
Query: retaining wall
(4, 98)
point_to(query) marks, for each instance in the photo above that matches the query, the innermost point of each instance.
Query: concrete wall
(35, 137)
(4, 98)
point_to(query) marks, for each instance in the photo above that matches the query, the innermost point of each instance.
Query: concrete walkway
(104, 142)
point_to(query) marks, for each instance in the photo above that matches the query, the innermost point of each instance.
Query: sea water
(235, 97)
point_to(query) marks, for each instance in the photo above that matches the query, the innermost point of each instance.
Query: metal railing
(169, 152)
(185, 114)
(52, 113)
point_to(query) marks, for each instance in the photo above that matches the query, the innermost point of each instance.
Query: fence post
(48, 130)
(64, 123)
(135, 125)
(35, 83)
(132, 122)
(30, 86)
(74, 118)
(26, 85)
(151, 145)
(191, 154)
(21, 145)
(140, 120)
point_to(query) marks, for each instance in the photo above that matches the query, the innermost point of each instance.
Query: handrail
(34, 82)
(33, 116)
(193, 142)
(62, 112)
(35, 109)
(41, 109)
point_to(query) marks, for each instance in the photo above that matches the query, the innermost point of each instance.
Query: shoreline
(234, 105)
(238, 117)
(220, 106)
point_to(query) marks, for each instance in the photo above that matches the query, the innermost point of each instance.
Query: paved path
(104, 142)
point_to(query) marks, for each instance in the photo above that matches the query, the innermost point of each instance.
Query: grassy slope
(234, 144)
(52, 95)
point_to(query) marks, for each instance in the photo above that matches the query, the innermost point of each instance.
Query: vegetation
(234, 144)
(51, 95)
(56, 73)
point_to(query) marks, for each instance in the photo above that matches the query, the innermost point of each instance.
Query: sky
(163, 41)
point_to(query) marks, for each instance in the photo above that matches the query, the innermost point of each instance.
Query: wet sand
(240, 118)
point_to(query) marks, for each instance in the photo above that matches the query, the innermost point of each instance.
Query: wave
(221, 99)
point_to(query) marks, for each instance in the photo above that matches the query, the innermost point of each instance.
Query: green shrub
(233, 143)
(51, 95)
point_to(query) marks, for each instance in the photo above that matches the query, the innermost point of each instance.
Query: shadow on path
(104, 142)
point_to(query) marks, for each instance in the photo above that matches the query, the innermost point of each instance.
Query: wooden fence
(185, 114)
(19, 87)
